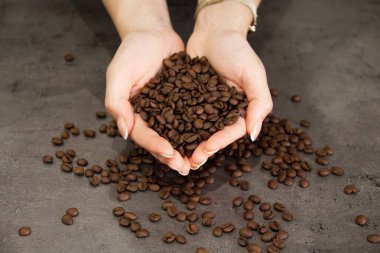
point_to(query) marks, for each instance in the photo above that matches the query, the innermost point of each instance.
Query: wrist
(226, 16)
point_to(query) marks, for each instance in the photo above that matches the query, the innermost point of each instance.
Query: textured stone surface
(327, 51)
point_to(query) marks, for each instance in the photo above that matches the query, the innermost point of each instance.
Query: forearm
(137, 15)
(227, 15)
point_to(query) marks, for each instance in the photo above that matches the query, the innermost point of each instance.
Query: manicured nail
(212, 152)
(198, 166)
(255, 131)
(166, 155)
(125, 129)
(183, 174)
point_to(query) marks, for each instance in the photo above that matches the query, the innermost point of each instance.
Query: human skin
(147, 37)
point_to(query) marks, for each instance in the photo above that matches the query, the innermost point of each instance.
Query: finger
(117, 99)
(216, 142)
(256, 88)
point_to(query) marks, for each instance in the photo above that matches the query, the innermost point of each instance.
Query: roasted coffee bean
(88, 173)
(246, 233)
(154, 217)
(57, 140)
(288, 181)
(101, 114)
(47, 159)
(286, 216)
(361, 220)
(273, 92)
(82, 162)
(118, 211)
(205, 200)
(201, 250)
(337, 171)
(217, 232)
(265, 207)
(192, 217)
(267, 237)
(279, 206)
(238, 201)
(305, 123)
(66, 167)
(282, 234)
(89, 133)
(94, 181)
(242, 242)
(172, 211)
(262, 229)
(142, 233)
(278, 243)
(234, 182)
(374, 238)
(272, 184)
(248, 205)
(192, 229)
(206, 221)
(73, 211)
(24, 231)
(67, 219)
(181, 216)
(350, 189)
(69, 57)
(255, 199)
(191, 205)
(59, 154)
(68, 125)
(228, 227)
(181, 239)
(122, 197)
(268, 215)
(274, 225)
(304, 183)
(169, 237)
(322, 160)
(79, 171)
(71, 153)
(135, 226)
(296, 98)
(272, 249)
(166, 204)
(244, 185)
(248, 215)
(254, 248)
(253, 225)
(324, 172)
(130, 216)
(75, 130)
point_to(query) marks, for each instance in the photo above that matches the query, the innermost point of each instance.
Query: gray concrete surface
(328, 51)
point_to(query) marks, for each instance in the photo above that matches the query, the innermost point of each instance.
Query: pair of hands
(140, 56)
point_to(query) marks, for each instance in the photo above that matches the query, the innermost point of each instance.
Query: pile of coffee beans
(186, 102)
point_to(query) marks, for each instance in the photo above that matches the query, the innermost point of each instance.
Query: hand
(224, 44)
(137, 60)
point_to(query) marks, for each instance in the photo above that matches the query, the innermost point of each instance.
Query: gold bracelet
(248, 3)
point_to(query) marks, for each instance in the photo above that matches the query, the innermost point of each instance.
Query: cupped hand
(235, 61)
(137, 60)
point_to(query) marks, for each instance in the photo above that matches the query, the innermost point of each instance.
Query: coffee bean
(279, 206)
(71, 153)
(118, 211)
(255, 199)
(304, 183)
(272, 184)
(253, 225)
(267, 237)
(181, 216)
(169, 237)
(296, 98)
(24, 231)
(67, 219)
(201, 250)
(238, 201)
(73, 211)
(262, 229)
(337, 171)
(142, 233)
(130, 216)
(66, 167)
(361, 220)
(282, 234)
(47, 159)
(172, 211)
(205, 200)
(265, 207)
(374, 238)
(244, 185)
(82, 162)
(234, 182)
(206, 221)
(254, 248)
(154, 217)
(242, 242)
(286, 216)
(94, 181)
(57, 140)
(228, 227)
(79, 171)
(134, 226)
(248, 205)
(350, 189)
(217, 232)
(89, 173)
(274, 225)
(69, 57)
(124, 196)
(305, 123)
(246, 233)
(248, 215)
(75, 130)
(89, 133)
(101, 114)
(278, 243)
(181, 239)
(59, 154)
(324, 172)
(273, 92)
(272, 249)
(192, 229)
(268, 215)
(322, 161)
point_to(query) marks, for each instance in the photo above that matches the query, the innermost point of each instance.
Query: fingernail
(212, 152)
(125, 129)
(166, 155)
(182, 173)
(255, 131)
(198, 166)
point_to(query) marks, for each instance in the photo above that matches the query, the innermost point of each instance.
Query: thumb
(259, 98)
(117, 99)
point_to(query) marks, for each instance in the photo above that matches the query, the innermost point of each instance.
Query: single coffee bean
(272, 184)
(244, 185)
(253, 225)
(58, 141)
(130, 216)
(248, 215)
(169, 237)
(89, 173)
(47, 159)
(322, 160)
(238, 201)
(59, 154)
(172, 211)
(205, 200)
(248, 205)
(192, 217)
(154, 217)
(82, 162)
(350, 189)
(89, 133)
(122, 197)
(296, 98)
(254, 248)
(305, 123)
(75, 130)
(234, 182)
(286, 216)
(181, 216)
(264, 207)
(142, 233)
(262, 229)
(361, 220)
(68, 125)
(79, 171)
(304, 183)
(192, 229)
(279, 206)
(118, 211)
(181, 239)
(101, 114)
(337, 171)
(201, 250)
(268, 215)
(246, 233)
(274, 225)
(228, 227)
(255, 199)
(206, 221)
(242, 242)
(73, 211)
(217, 232)
(124, 222)
(282, 234)
(67, 219)
(374, 238)
(267, 237)
(66, 167)
(69, 57)
(324, 172)
(24, 231)
(94, 181)
(278, 243)
(135, 226)
(272, 249)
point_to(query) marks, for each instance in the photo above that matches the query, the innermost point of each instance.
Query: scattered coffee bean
(134, 226)
(82, 162)
(124, 196)
(142, 233)
(246, 232)
(24, 231)
(322, 160)
(192, 217)
(228, 227)
(286, 216)
(68, 125)
(350, 189)
(75, 130)
(69, 57)
(244, 185)
(89, 133)
(248, 215)
(282, 234)
(253, 225)
(192, 229)
(67, 219)
(238, 201)
(254, 248)
(57, 141)
(169, 237)
(361, 220)
(154, 217)
(337, 171)
(73, 211)
(101, 114)
(267, 237)
(201, 250)
(217, 231)
(296, 98)
(305, 123)
(304, 183)
(181, 239)
(47, 159)
(374, 238)
(94, 181)
(242, 242)
(118, 211)
(324, 172)
(272, 184)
